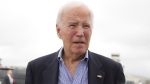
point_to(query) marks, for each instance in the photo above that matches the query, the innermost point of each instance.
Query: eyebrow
(87, 23)
(76, 22)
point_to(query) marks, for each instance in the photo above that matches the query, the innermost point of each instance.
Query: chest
(77, 74)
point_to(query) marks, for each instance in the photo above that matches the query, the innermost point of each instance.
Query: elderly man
(74, 63)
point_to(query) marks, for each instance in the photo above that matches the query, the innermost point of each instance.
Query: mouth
(79, 42)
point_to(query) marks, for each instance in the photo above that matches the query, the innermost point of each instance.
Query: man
(8, 79)
(74, 63)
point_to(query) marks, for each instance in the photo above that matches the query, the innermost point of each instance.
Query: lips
(79, 42)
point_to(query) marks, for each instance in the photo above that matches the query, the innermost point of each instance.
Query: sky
(27, 31)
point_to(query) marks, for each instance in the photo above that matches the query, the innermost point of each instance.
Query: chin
(79, 52)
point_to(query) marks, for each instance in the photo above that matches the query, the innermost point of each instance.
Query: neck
(72, 58)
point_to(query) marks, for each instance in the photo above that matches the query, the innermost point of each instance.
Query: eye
(86, 26)
(72, 26)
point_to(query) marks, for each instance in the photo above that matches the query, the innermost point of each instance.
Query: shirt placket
(79, 73)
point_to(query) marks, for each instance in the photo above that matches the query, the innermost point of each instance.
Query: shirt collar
(60, 55)
(9, 75)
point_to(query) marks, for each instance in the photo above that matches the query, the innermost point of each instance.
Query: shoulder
(6, 76)
(43, 59)
(100, 57)
(105, 61)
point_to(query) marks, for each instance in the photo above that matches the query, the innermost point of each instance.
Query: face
(75, 30)
(10, 72)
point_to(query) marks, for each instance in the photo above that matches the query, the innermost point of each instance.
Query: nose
(80, 32)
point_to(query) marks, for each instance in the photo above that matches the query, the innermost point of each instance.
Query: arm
(120, 78)
(29, 75)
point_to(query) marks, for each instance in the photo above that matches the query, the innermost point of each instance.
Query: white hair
(70, 5)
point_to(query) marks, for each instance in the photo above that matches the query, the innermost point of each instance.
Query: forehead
(76, 13)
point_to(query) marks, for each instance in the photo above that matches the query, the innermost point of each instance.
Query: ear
(58, 31)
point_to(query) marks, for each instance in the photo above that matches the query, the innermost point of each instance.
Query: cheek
(70, 33)
(88, 34)
(67, 35)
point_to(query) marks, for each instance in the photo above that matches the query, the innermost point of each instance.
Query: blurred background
(121, 32)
